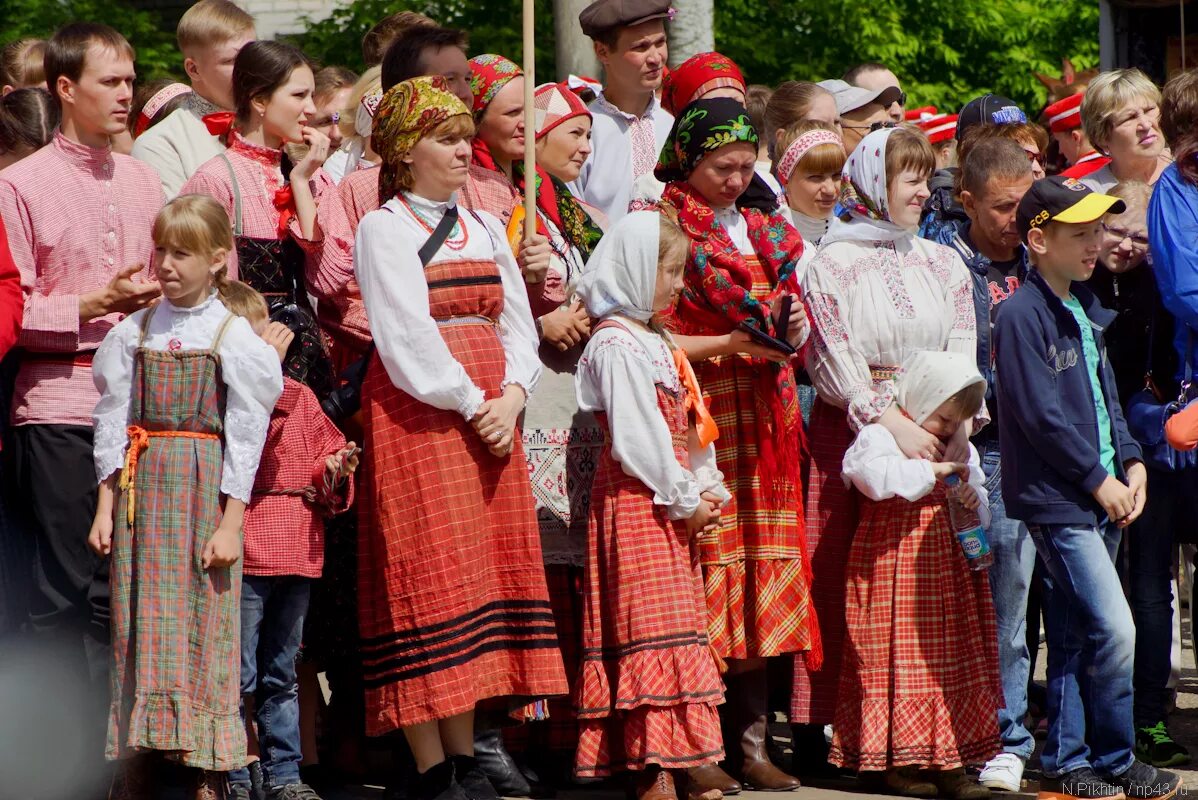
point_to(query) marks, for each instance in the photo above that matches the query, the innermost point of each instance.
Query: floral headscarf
(702, 128)
(863, 192)
(409, 111)
(488, 74)
(698, 74)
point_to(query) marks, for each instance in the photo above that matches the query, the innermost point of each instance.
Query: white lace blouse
(617, 375)
(391, 277)
(249, 368)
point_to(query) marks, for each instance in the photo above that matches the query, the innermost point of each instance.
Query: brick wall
(283, 16)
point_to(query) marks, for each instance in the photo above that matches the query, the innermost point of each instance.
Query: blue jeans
(272, 626)
(1091, 650)
(1010, 581)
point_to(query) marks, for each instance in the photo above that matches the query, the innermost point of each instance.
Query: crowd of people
(790, 401)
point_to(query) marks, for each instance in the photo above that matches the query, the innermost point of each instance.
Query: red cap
(1065, 115)
(939, 128)
(916, 114)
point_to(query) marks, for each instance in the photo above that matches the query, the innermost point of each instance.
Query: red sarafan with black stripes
(454, 609)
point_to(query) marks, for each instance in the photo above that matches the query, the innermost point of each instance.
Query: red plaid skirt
(453, 607)
(758, 592)
(919, 684)
(649, 685)
(831, 524)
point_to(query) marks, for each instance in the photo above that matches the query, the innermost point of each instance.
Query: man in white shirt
(630, 126)
(210, 35)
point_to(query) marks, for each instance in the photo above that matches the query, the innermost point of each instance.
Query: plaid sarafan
(176, 658)
(453, 606)
(649, 685)
(758, 589)
(920, 683)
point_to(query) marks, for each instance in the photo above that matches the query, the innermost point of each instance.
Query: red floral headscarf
(698, 74)
(488, 74)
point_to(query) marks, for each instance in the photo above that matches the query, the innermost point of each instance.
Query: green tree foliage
(945, 51)
(157, 54)
(494, 27)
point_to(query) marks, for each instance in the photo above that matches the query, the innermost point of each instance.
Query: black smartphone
(764, 338)
(782, 321)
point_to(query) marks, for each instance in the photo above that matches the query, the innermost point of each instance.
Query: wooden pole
(530, 125)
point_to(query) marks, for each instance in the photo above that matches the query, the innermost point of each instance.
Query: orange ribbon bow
(139, 440)
(704, 423)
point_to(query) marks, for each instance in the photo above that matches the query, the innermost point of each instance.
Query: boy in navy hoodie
(1073, 474)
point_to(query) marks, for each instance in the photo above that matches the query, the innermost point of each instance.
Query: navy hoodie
(1047, 426)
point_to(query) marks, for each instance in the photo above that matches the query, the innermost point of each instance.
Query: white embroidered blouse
(391, 277)
(617, 375)
(874, 304)
(249, 368)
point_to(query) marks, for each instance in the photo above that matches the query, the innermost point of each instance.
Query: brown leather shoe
(133, 780)
(210, 786)
(654, 783)
(708, 778)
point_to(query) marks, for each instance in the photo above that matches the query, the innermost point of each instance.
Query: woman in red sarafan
(741, 266)
(454, 610)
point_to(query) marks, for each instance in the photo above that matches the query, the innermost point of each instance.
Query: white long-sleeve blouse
(394, 289)
(877, 467)
(249, 368)
(617, 375)
(874, 304)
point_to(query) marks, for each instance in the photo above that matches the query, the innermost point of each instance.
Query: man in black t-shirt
(994, 178)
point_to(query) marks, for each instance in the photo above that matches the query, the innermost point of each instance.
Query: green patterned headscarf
(702, 128)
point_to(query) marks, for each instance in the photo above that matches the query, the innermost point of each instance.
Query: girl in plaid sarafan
(649, 683)
(186, 392)
(919, 686)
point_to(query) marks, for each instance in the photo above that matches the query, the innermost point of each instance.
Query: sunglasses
(1139, 240)
(877, 126)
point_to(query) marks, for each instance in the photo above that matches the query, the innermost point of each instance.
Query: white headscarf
(621, 275)
(863, 194)
(929, 377)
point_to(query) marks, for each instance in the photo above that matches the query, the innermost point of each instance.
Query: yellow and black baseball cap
(1060, 199)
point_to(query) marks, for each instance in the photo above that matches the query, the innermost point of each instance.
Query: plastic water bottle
(968, 528)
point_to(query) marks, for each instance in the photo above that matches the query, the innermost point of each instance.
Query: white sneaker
(1004, 772)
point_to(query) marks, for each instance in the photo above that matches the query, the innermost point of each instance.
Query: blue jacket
(1047, 425)
(978, 266)
(1173, 234)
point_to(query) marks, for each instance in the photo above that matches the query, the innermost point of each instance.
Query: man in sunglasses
(876, 77)
(861, 110)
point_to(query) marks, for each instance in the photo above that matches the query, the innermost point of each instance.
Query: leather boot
(210, 785)
(438, 783)
(473, 780)
(748, 715)
(708, 778)
(499, 766)
(654, 783)
(693, 792)
(133, 780)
